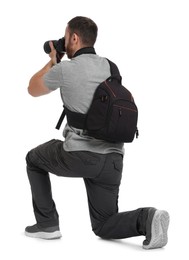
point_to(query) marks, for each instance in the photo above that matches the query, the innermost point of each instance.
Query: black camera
(59, 46)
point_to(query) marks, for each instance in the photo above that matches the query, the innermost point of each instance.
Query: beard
(69, 50)
(69, 53)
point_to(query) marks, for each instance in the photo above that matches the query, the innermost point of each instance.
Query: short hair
(85, 28)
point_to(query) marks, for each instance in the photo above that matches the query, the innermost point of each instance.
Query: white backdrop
(149, 41)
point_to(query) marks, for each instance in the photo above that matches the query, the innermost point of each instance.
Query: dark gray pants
(102, 177)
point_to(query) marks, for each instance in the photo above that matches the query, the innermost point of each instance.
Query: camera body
(59, 46)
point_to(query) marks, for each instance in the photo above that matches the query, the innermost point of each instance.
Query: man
(98, 162)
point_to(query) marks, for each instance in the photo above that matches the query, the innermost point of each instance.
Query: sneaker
(156, 229)
(44, 233)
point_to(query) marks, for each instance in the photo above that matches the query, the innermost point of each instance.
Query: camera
(59, 46)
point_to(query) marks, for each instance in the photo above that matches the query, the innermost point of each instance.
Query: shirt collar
(85, 50)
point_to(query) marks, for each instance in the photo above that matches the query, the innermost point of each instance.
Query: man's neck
(84, 50)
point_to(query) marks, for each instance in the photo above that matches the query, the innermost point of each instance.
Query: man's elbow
(38, 91)
(31, 92)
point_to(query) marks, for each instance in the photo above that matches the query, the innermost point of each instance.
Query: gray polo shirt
(78, 79)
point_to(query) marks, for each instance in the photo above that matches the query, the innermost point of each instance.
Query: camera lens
(58, 45)
(47, 47)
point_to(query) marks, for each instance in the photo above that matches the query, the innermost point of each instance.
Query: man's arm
(37, 86)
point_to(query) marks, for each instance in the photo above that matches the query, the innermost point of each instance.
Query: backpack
(112, 115)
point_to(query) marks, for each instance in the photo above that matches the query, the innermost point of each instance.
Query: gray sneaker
(156, 229)
(44, 233)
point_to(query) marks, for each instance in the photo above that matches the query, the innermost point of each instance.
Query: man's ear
(75, 38)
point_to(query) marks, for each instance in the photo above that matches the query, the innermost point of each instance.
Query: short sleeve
(53, 77)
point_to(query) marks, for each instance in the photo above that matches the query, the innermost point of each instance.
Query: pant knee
(29, 159)
(100, 233)
(98, 230)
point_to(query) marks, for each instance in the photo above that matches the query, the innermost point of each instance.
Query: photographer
(98, 162)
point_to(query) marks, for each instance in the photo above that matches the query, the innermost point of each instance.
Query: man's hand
(53, 54)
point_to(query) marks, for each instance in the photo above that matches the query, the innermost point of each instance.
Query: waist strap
(74, 119)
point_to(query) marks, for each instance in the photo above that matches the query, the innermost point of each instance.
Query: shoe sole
(160, 224)
(44, 235)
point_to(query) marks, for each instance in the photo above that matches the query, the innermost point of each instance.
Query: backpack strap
(61, 119)
(114, 71)
(77, 120)
(74, 119)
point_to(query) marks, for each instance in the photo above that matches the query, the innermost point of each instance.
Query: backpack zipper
(110, 88)
(134, 110)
